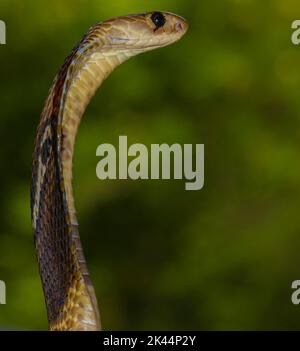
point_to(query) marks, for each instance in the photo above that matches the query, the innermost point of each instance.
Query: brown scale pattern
(54, 236)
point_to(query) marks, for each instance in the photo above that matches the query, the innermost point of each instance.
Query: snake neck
(82, 81)
(69, 294)
(84, 77)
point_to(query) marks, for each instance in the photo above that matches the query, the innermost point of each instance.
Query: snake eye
(158, 19)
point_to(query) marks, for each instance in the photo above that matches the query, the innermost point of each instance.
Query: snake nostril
(178, 26)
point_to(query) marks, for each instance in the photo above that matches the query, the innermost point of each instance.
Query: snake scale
(69, 294)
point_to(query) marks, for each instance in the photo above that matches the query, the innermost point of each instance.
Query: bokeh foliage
(161, 257)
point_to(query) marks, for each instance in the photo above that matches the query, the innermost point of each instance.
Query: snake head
(144, 32)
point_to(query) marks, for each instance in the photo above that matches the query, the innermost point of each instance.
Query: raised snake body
(69, 294)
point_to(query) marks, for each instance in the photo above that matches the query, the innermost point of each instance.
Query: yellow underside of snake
(69, 294)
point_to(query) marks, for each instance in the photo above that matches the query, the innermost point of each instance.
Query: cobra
(69, 294)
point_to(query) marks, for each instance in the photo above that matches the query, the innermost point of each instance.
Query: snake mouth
(129, 43)
(124, 44)
(134, 49)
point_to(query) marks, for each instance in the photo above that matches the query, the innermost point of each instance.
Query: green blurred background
(161, 257)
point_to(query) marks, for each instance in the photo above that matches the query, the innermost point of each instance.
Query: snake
(69, 294)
